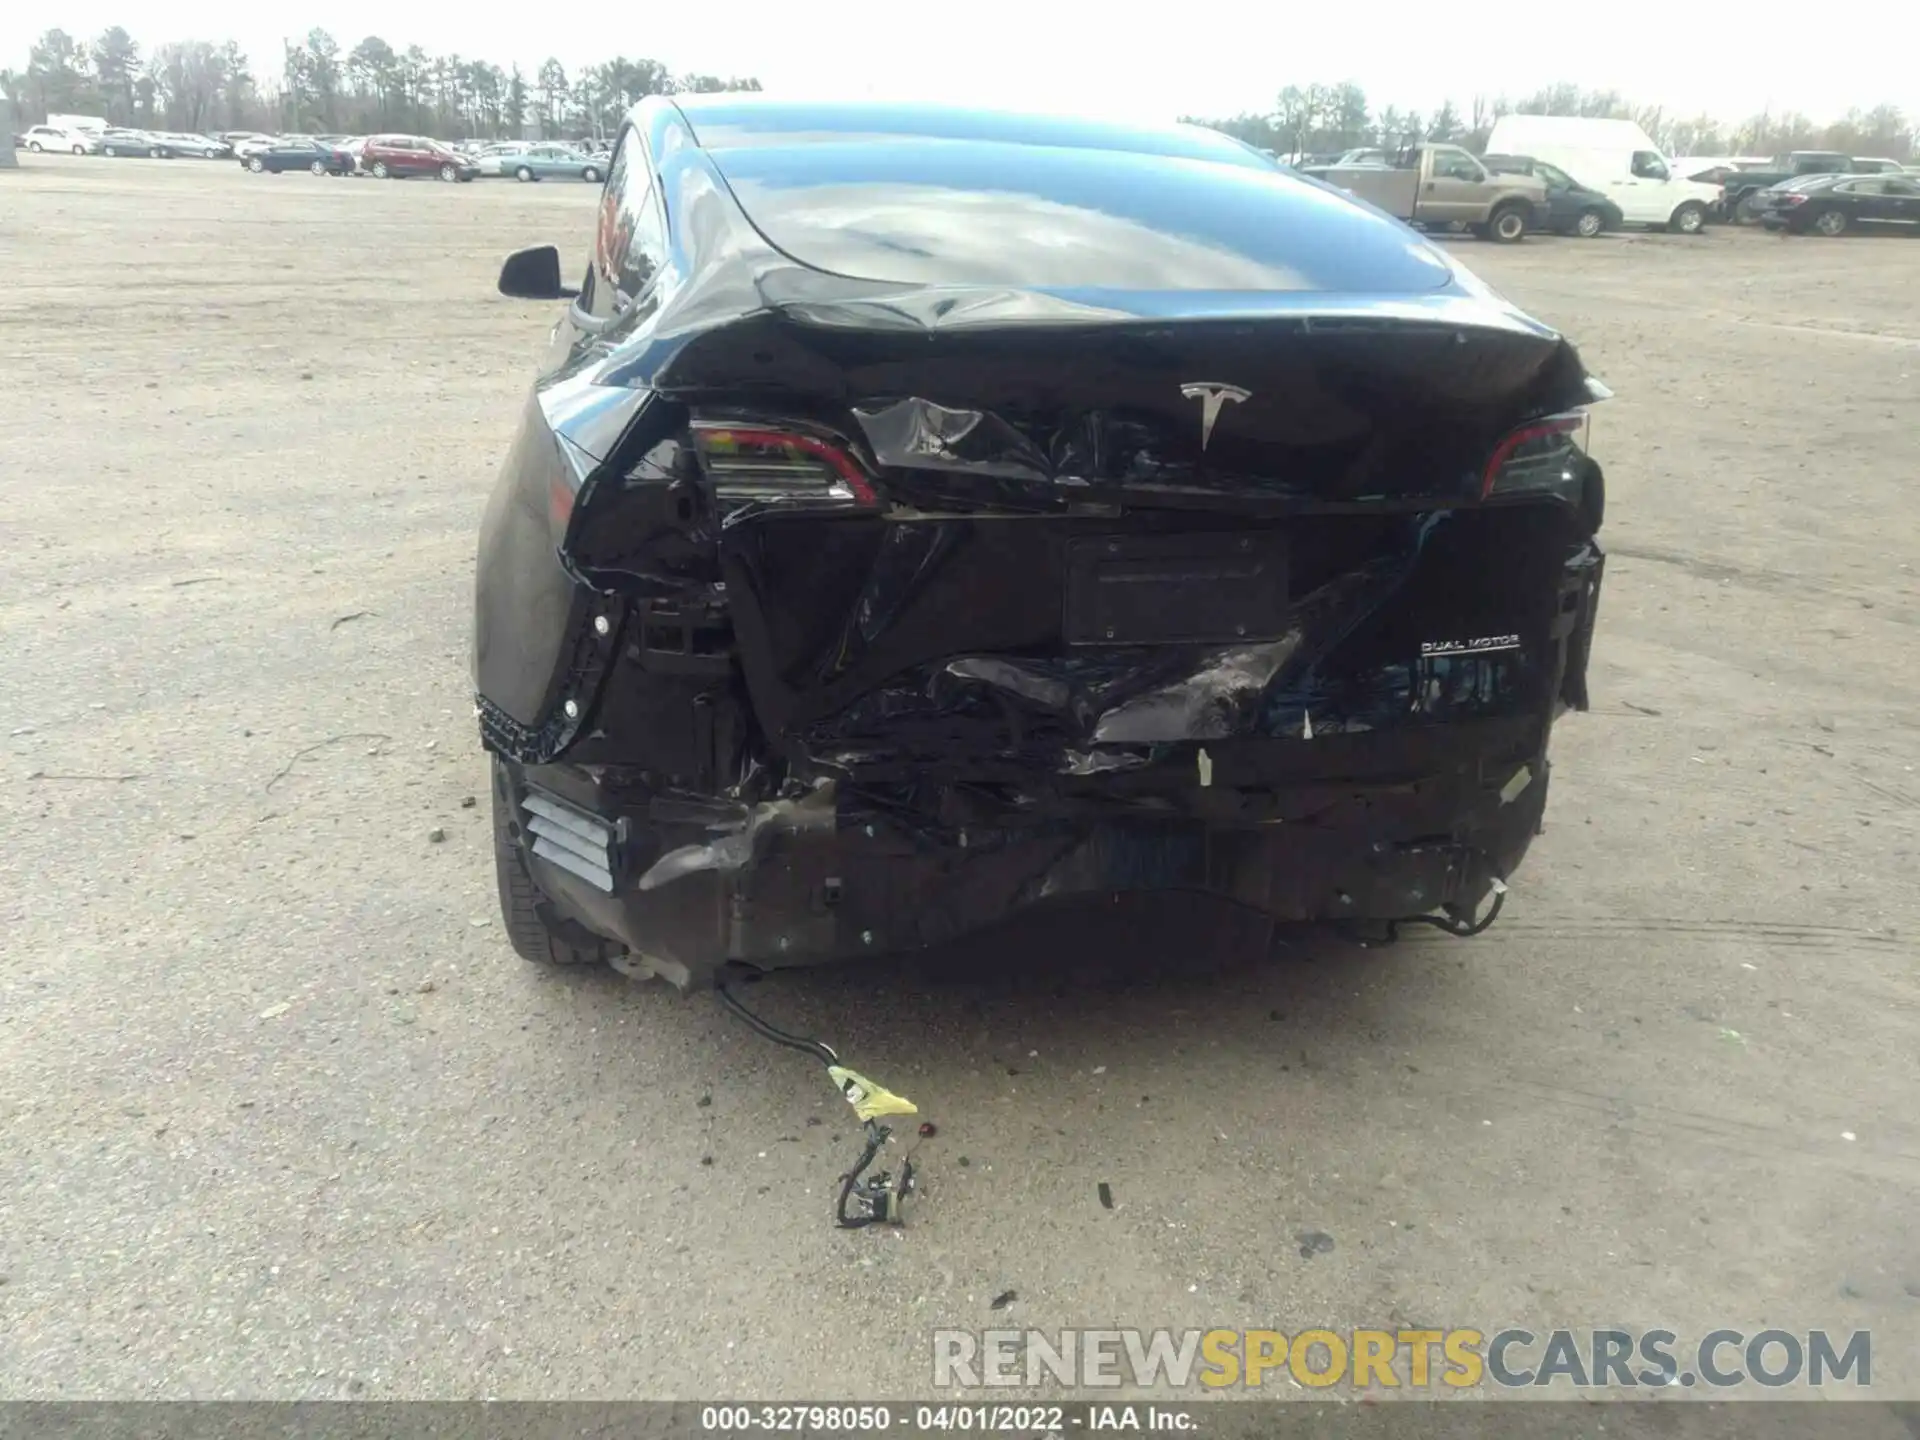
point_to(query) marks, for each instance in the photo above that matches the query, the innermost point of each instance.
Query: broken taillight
(1542, 456)
(746, 463)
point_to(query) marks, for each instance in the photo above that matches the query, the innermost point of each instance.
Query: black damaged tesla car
(925, 514)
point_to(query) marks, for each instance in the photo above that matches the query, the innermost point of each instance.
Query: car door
(1646, 193)
(1869, 202)
(1902, 201)
(1454, 188)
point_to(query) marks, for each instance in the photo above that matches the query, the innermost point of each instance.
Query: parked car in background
(1740, 191)
(1876, 165)
(1615, 157)
(1442, 185)
(1572, 208)
(397, 157)
(40, 138)
(1836, 204)
(198, 147)
(542, 162)
(116, 141)
(245, 142)
(290, 154)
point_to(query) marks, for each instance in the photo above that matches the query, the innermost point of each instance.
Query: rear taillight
(1792, 198)
(745, 463)
(1541, 457)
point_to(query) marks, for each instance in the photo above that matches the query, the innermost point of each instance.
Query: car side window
(1649, 166)
(631, 245)
(1457, 165)
(1902, 187)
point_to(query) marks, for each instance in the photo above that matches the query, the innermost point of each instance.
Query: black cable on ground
(1464, 929)
(816, 1048)
(879, 1197)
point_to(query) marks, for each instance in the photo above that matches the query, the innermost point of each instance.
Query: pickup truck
(1442, 185)
(1739, 190)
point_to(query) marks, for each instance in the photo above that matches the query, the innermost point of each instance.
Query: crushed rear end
(862, 621)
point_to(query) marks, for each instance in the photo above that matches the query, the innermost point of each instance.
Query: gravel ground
(284, 1117)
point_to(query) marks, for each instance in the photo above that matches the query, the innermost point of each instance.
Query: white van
(1612, 156)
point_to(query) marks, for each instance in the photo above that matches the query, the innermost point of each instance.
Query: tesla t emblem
(1211, 397)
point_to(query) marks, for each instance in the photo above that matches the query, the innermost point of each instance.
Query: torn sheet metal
(916, 433)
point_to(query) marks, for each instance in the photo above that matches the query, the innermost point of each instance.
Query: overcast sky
(1148, 60)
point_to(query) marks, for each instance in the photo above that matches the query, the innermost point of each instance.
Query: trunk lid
(1094, 548)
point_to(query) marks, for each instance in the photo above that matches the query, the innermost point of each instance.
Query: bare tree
(189, 79)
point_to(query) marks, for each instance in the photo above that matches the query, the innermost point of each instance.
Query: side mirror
(534, 275)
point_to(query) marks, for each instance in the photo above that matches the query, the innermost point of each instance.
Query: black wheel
(319, 167)
(1689, 219)
(535, 931)
(591, 175)
(81, 150)
(1831, 222)
(1589, 224)
(36, 147)
(1507, 224)
(523, 174)
(156, 153)
(256, 164)
(106, 150)
(379, 169)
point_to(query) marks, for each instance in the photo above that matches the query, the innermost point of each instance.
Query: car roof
(727, 121)
(939, 195)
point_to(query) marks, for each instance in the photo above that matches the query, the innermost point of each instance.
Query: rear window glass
(1034, 216)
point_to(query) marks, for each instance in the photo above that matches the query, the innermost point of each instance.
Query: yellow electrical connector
(869, 1101)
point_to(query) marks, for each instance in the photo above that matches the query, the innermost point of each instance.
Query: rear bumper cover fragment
(809, 881)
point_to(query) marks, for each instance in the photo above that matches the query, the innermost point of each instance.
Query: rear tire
(319, 167)
(81, 150)
(1589, 224)
(1507, 225)
(1831, 222)
(256, 164)
(591, 175)
(534, 930)
(106, 150)
(523, 174)
(156, 153)
(36, 147)
(1689, 219)
(380, 171)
